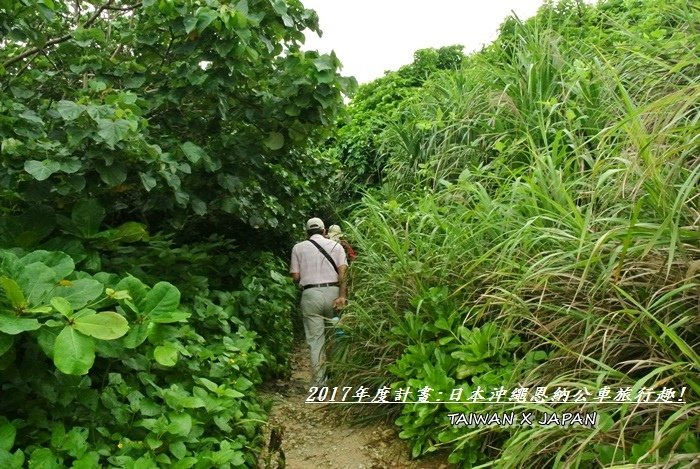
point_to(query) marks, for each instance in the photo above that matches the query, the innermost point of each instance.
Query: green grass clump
(539, 226)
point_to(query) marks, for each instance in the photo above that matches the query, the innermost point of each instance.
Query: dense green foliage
(151, 151)
(376, 105)
(531, 220)
(537, 225)
(183, 115)
(161, 391)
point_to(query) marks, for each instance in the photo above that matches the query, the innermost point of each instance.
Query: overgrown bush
(137, 379)
(550, 190)
(99, 369)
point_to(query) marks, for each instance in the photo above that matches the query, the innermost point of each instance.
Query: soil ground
(314, 436)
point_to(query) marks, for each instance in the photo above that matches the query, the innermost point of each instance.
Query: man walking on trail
(318, 266)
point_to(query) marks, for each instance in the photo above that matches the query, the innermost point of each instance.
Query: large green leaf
(46, 337)
(71, 246)
(190, 23)
(13, 292)
(193, 152)
(73, 352)
(166, 355)
(112, 131)
(199, 207)
(74, 442)
(148, 181)
(7, 436)
(180, 423)
(112, 175)
(161, 300)
(106, 325)
(136, 288)
(14, 325)
(43, 458)
(62, 264)
(37, 280)
(9, 263)
(178, 449)
(87, 216)
(137, 335)
(69, 110)
(41, 170)
(11, 460)
(204, 18)
(79, 292)
(89, 460)
(130, 232)
(274, 141)
(324, 63)
(62, 305)
(70, 167)
(173, 316)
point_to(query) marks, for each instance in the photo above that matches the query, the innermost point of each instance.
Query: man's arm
(340, 301)
(294, 266)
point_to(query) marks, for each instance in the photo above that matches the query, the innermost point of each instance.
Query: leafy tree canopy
(375, 106)
(177, 113)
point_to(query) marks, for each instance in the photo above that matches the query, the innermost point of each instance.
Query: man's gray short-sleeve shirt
(312, 266)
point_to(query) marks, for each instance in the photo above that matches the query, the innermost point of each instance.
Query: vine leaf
(41, 170)
(112, 131)
(69, 110)
(274, 141)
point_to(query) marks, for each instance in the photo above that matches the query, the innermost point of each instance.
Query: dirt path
(311, 436)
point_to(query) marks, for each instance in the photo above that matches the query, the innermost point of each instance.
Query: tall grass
(552, 188)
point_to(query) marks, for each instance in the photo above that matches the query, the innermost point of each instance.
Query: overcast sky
(371, 36)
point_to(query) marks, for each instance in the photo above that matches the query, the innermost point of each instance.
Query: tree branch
(19, 73)
(77, 11)
(58, 40)
(170, 44)
(126, 8)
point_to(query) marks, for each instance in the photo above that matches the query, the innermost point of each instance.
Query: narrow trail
(312, 436)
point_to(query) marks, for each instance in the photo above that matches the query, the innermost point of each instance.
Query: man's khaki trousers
(316, 310)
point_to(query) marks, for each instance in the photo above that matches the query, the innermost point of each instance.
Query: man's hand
(339, 303)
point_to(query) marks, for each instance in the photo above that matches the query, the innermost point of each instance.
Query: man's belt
(316, 285)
